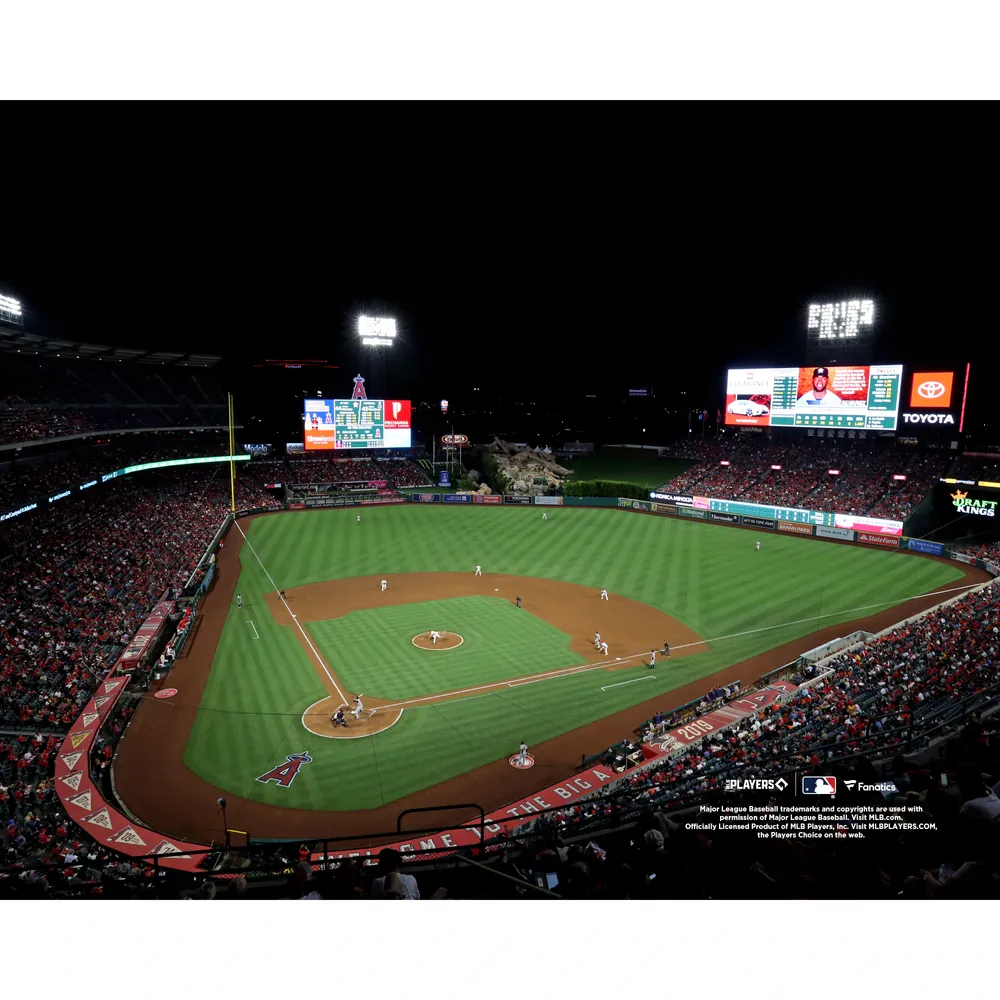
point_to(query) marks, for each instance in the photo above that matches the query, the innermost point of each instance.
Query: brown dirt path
(153, 781)
(627, 627)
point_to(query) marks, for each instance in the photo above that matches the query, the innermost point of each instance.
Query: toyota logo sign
(930, 390)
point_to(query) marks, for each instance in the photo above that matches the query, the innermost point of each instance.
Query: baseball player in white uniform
(597, 640)
(359, 518)
(435, 636)
(604, 648)
(384, 585)
(757, 546)
(545, 516)
(239, 600)
(522, 756)
(479, 570)
(358, 707)
(652, 659)
(604, 596)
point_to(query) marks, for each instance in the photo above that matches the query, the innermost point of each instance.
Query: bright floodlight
(10, 310)
(839, 320)
(377, 331)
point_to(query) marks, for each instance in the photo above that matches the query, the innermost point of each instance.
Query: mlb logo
(819, 785)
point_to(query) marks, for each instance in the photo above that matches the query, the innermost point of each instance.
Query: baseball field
(434, 712)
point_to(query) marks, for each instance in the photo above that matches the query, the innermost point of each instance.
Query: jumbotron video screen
(864, 397)
(334, 424)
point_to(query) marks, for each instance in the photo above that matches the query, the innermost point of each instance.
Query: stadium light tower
(378, 334)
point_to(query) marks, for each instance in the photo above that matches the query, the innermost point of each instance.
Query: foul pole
(232, 452)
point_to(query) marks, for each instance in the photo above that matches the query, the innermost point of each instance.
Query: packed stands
(864, 484)
(76, 582)
(401, 472)
(989, 551)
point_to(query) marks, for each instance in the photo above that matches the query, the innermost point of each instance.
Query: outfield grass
(625, 465)
(710, 577)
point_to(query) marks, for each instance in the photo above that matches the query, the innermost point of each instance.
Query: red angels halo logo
(515, 761)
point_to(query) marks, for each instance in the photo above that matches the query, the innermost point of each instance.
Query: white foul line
(319, 659)
(584, 668)
(648, 677)
(254, 627)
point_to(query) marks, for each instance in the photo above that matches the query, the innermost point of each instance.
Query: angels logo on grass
(515, 761)
(284, 774)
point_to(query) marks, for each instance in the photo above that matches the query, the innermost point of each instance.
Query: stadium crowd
(863, 483)
(82, 579)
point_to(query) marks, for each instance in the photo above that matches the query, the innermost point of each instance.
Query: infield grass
(708, 576)
(368, 651)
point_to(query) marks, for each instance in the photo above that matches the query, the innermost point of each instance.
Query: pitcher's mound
(446, 640)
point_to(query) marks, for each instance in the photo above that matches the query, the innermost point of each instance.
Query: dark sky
(562, 253)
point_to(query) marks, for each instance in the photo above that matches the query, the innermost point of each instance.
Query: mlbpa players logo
(284, 774)
(525, 761)
(819, 785)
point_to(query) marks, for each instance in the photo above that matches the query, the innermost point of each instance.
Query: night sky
(596, 272)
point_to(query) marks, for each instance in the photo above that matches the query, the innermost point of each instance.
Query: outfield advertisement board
(766, 512)
(626, 502)
(844, 534)
(758, 522)
(663, 508)
(725, 518)
(689, 512)
(919, 545)
(490, 499)
(886, 541)
(456, 498)
(549, 501)
(425, 497)
(795, 529)
(518, 499)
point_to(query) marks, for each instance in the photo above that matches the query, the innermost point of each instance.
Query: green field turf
(708, 576)
(501, 642)
(625, 465)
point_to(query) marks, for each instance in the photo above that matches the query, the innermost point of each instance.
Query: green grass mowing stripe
(699, 575)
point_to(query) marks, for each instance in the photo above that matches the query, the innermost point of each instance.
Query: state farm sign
(886, 541)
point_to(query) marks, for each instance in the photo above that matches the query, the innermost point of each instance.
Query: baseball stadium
(397, 646)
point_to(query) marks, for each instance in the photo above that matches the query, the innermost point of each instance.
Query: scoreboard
(359, 423)
(342, 424)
